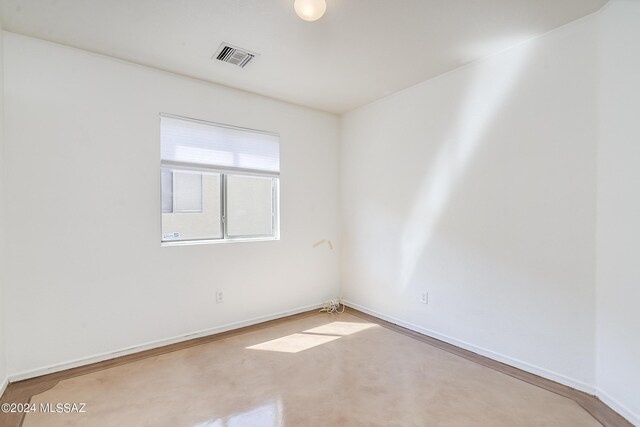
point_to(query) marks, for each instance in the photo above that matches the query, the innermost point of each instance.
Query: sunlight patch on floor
(294, 343)
(340, 328)
(313, 337)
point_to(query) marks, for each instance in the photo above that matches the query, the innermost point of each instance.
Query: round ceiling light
(310, 10)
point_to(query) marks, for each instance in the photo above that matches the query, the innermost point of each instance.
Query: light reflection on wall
(491, 85)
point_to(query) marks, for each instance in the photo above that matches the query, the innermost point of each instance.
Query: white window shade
(208, 145)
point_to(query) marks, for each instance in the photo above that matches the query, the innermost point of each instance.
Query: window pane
(197, 207)
(249, 206)
(167, 190)
(187, 191)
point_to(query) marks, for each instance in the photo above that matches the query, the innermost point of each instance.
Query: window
(218, 183)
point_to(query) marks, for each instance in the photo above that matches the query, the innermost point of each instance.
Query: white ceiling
(361, 50)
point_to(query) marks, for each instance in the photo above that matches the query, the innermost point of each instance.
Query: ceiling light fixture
(310, 10)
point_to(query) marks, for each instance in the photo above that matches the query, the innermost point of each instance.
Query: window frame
(223, 171)
(225, 238)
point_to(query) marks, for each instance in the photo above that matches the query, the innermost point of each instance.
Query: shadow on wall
(479, 186)
(487, 93)
(508, 198)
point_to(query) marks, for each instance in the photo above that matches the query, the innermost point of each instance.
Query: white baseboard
(155, 344)
(545, 373)
(612, 403)
(3, 385)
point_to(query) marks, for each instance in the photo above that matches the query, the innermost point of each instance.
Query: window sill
(217, 241)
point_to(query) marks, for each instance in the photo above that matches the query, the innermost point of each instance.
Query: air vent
(233, 55)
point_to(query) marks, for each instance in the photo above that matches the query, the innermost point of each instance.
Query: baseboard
(632, 417)
(3, 386)
(536, 370)
(155, 344)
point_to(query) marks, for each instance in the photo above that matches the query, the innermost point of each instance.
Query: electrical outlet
(424, 297)
(219, 297)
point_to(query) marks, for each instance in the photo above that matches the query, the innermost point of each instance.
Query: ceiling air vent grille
(233, 55)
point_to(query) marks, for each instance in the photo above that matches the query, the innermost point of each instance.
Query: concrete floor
(319, 370)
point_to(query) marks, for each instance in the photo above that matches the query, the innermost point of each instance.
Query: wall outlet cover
(424, 297)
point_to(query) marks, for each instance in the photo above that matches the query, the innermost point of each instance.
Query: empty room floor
(317, 369)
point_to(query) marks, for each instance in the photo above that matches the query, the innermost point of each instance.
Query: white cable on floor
(333, 307)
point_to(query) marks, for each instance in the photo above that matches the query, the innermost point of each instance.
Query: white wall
(480, 187)
(3, 370)
(618, 278)
(87, 274)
